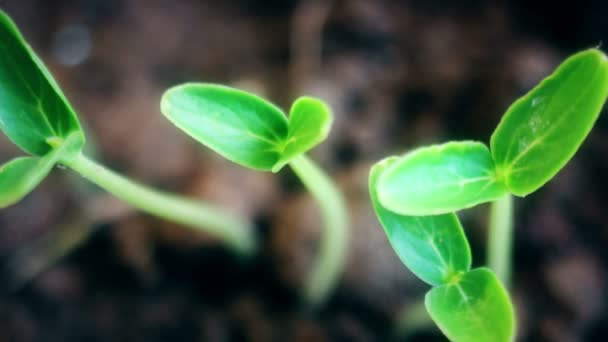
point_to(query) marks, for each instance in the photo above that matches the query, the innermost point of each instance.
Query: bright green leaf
(309, 124)
(20, 176)
(432, 247)
(245, 128)
(32, 107)
(542, 130)
(475, 308)
(439, 179)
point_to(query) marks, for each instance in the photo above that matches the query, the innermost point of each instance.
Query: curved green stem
(500, 238)
(189, 212)
(332, 255)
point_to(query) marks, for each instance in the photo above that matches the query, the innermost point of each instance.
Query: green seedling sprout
(415, 196)
(252, 132)
(37, 117)
(468, 305)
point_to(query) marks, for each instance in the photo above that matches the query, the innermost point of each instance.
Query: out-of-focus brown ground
(76, 265)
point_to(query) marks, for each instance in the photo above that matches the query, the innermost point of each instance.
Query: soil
(77, 265)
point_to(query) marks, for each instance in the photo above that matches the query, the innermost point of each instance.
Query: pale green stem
(412, 318)
(500, 238)
(189, 212)
(329, 264)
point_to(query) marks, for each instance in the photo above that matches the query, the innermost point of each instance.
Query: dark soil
(77, 265)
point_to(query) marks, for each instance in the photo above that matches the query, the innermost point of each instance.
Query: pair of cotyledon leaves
(467, 305)
(536, 137)
(37, 117)
(34, 114)
(245, 128)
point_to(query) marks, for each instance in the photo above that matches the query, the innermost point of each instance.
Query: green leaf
(245, 128)
(20, 176)
(432, 247)
(32, 107)
(239, 126)
(309, 124)
(439, 179)
(542, 130)
(475, 308)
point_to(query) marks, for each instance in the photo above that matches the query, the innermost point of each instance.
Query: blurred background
(77, 265)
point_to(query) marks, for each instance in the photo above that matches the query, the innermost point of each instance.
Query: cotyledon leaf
(475, 308)
(245, 128)
(309, 123)
(20, 176)
(32, 106)
(440, 179)
(542, 130)
(239, 126)
(432, 247)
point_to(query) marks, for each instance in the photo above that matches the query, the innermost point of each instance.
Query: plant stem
(411, 318)
(329, 264)
(500, 238)
(189, 212)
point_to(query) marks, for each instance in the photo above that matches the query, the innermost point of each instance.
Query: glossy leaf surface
(477, 308)
(20, 176)
(440, 179)
(432, 247)
(32, 106)
(542, 130)
(245, 128)
(309, 124)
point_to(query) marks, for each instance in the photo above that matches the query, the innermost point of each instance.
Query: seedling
(37, 117)
(252, 132)
(415, 196)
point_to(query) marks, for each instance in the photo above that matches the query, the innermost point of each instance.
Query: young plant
(37, 117)
(252, 132)
(415, 196)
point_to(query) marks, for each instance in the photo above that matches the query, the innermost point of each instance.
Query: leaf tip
(165, 99)
(278, 166)
(5, 17)
(316, 106)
